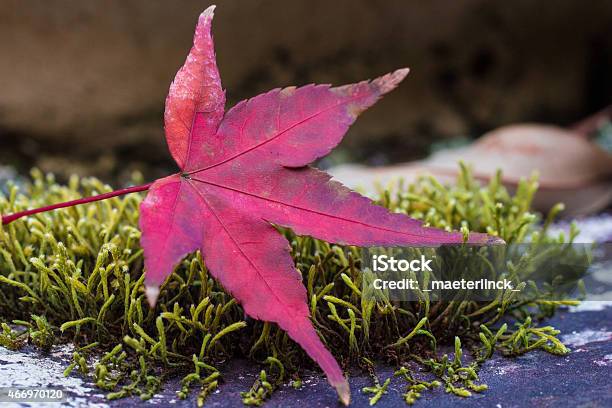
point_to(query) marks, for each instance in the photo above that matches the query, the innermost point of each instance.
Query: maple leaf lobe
(196, 98)
(292, 126)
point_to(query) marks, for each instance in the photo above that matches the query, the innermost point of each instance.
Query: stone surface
(83, 83)
(534, 380)
(29, 368)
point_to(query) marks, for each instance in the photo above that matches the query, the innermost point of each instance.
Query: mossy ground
(76, 275)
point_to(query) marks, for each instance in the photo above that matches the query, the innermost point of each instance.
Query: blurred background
(83, 83)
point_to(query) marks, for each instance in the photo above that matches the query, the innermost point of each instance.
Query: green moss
(75, 275)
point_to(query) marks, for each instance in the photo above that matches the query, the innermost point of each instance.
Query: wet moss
(76, 275)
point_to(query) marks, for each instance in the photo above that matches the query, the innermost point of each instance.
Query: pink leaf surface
(196, 101)
(247, 168)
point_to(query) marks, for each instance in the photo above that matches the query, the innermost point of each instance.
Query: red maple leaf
(246, 169)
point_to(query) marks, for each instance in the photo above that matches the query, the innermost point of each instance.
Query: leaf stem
(7, 219)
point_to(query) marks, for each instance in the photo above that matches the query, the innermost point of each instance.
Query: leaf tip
(484, 239)
(152, 293)
(344, 392)
(390, 81)
(208, 13)
(401, 73)
(493, 240)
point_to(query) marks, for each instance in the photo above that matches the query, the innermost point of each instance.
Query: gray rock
(90, 78)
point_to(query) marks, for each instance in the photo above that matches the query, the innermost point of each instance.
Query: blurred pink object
(571, 169)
